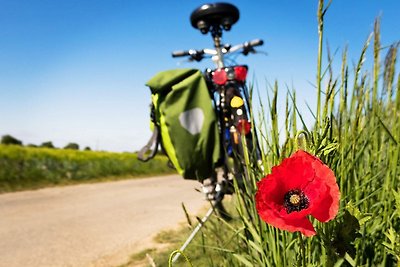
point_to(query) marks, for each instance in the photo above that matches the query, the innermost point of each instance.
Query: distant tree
(10, 140)
(74, 146)
(31, 145)
(87, 149)
(47, 144)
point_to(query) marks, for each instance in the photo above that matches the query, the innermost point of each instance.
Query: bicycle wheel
(245, 149)
(238, 142)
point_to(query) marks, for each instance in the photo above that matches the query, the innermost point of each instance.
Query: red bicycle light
(243, 127)
(219, 77)
(240, 73)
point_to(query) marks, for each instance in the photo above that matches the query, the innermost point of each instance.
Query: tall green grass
(357, 134)
(28, 167)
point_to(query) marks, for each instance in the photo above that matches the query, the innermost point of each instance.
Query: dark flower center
(295, 200)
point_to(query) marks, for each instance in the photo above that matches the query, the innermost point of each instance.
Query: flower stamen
(295, 200)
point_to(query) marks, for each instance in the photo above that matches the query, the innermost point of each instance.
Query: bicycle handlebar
(247, 46)
(198, 54)
(180, 53)
(256, 42)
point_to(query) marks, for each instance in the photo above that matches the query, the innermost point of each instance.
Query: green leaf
(345, 234)
(256, 247)
(243, 260)
(392, 236)
(397, 198)
(330, 148)
(394, 246)
(350, 260)
(249, 226)
(387, 130)
(354, 211)
(339, 263)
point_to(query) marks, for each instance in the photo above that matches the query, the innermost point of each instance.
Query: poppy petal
(328, 206)
(302, 172)
(302, 224)
(296, 172)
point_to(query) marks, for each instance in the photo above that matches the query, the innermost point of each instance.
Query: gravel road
(92, 224)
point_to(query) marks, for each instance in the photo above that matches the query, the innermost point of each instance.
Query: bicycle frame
(227, 85)
(218, 58)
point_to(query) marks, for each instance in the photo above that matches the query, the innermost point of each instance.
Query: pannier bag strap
(154, 140)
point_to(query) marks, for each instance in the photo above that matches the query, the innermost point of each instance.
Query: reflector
(219, 77)
(243, 127)
(240, 73)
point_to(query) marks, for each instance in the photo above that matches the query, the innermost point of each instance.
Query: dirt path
(92, 224)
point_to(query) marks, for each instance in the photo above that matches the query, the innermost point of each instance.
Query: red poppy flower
(301, 185)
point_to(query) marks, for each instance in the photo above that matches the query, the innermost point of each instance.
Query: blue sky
(75, 70)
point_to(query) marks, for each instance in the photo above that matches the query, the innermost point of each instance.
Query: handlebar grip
(180, 53)
(256, 42)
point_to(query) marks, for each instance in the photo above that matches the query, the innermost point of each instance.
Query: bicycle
(227, 85)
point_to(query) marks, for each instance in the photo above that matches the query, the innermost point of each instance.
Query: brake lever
(248, 50)
(196, 57)
(261, 52)
(188, 60)
(253, 51)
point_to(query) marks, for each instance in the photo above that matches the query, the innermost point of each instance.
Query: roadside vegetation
(23, 168)
(357, 134)
(207, 249)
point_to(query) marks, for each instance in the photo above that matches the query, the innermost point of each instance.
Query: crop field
(28, 167)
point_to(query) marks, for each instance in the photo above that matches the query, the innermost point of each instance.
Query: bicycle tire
(245, 154)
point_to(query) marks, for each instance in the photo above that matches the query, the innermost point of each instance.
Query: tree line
(11, 140)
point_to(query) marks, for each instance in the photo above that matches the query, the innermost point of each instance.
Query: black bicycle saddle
(214, 15)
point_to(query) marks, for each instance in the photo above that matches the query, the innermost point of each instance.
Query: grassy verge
(356, 132)
(204, 250)
(24, 168)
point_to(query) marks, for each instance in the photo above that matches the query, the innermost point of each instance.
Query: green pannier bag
(184, 123)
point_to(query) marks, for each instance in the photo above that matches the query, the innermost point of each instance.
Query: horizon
(75, 72)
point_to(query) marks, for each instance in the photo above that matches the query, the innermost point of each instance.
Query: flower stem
(320, 16)
(302, 251)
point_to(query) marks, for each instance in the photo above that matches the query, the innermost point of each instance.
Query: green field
(28, 167)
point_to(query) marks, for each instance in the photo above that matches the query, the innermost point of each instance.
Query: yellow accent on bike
(237, 102)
